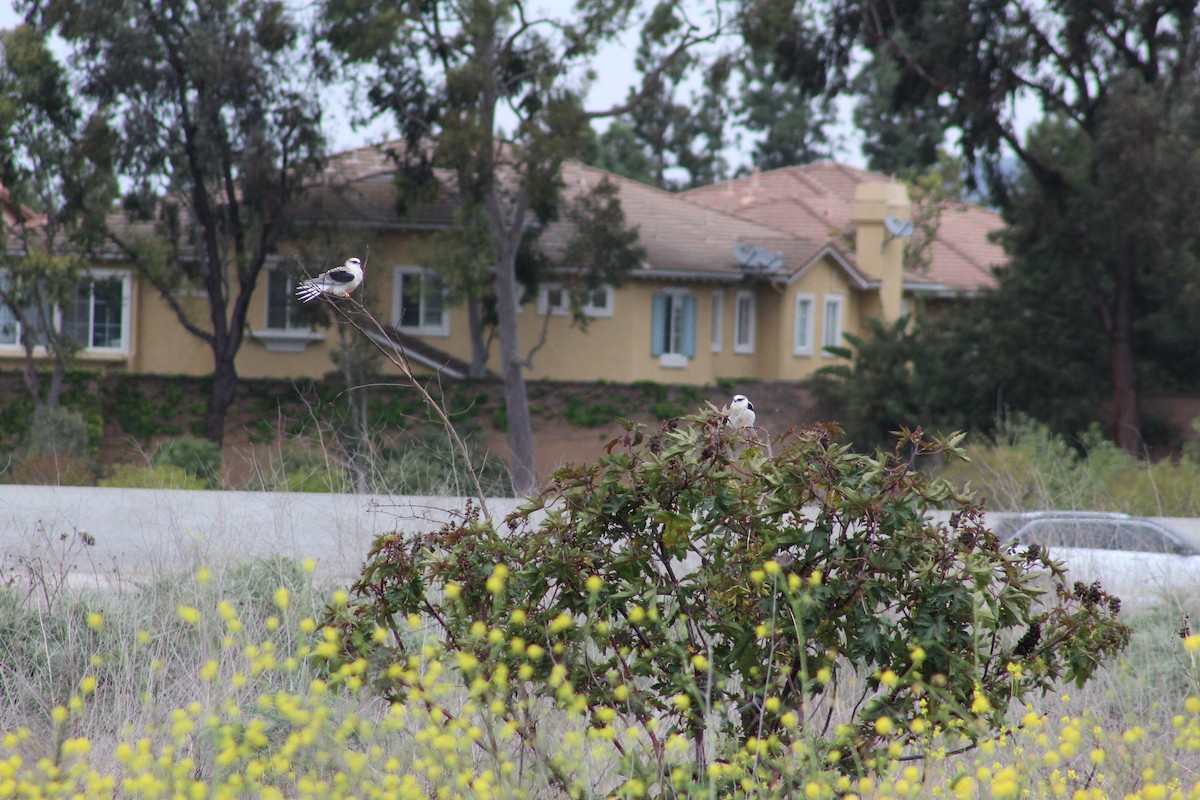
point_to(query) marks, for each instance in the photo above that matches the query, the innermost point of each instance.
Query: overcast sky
(616, 74)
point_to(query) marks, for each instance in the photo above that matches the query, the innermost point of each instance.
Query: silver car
(1140, 560)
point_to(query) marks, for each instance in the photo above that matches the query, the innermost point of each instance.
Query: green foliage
(430, 464)
(58, 431)
(877, 391)
(1026, 466)
(617, 150)
(592, 415)
(126, 402)
(667, 409)
(305, 468)
(199, 458)
(209, 99)
(160, 476)
(692, 578)
(500, 417)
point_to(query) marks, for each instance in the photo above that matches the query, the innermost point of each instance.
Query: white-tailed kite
(741, 412)
(337, 282)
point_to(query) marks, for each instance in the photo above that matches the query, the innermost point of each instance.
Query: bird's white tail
(308, 291)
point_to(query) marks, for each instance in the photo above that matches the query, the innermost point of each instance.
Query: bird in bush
(337, 282)
(741, 412)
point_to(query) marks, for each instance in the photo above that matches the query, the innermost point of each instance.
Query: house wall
(615, 348)
(822, 280)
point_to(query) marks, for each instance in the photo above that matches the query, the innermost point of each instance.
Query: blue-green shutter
(658, 323)
(689, 326)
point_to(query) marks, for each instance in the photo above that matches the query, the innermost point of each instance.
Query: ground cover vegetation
(308, 434)
(660, 623)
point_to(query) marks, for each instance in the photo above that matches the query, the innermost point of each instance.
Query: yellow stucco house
(750, 279)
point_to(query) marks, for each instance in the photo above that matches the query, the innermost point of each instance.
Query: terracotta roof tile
(816, 201)
(679, 235)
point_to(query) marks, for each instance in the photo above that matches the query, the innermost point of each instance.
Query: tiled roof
(678, 236)
(816, 201)
(357, 187)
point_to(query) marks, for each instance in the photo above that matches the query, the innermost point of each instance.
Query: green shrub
(431, 464)
(666, 409)
(715, 592)
(500, 417)
(56, 450)
(198, 457)
(162, 476)
(1028, 467)
(307, 469)
(57, 431)
(593, 415)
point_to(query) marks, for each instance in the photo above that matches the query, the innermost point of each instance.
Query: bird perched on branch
(741, 412)
(337, 282)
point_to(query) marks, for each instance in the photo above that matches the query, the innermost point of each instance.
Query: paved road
(138, 532)
(147, 532)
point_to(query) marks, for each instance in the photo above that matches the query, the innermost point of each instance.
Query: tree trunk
(520, 427)
(1124, 364)
(220, 398)
(479, 349)
(33, 381)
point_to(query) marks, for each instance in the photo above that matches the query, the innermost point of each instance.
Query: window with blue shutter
(660, 324)
(673, 327)
(688, 323)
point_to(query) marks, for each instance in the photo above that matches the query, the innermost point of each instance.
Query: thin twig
(400, 359)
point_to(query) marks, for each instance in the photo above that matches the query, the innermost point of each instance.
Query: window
(718, 319)
(419, 304)
(802, 344)
(833, 322)
(743, 323)
(600, 302)
(98, 316)
(284, 311)
(673, 328)
(555, 299)
(10, 328)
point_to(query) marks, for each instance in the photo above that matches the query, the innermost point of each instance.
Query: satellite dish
(752, 257)
(898, 228)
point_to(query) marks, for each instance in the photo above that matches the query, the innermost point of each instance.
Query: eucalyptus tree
(218, 124)
(57, 183)
(491, 95)
(1114, 169)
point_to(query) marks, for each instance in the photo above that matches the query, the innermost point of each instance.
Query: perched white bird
(337, 282)
(741, 412)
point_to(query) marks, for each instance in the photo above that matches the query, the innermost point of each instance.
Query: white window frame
(126, 278)
(296, 320)
(832, 312)
(740, 346)
(563, 305)
(424, 328)
(606, 310)
(802, 336)
(718, 319)
(672, 358)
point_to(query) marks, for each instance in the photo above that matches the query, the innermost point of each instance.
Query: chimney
(880, 253)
